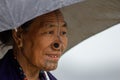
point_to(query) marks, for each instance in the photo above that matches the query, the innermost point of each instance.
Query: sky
(96, 58)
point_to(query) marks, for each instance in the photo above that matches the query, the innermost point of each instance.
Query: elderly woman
(37, 46)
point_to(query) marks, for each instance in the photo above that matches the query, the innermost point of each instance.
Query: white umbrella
(84, 18)
(13, 13)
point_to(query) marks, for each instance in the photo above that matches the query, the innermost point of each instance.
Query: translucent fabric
(13, 13)
(84, 19)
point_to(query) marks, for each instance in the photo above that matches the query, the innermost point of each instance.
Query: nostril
(56, 45)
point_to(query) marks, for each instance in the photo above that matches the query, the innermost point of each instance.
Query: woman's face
(45, 41)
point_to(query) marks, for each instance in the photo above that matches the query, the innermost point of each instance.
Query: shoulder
(6, 57)
(6, 61)
(3, 67)
(51, 76)
(7, 69)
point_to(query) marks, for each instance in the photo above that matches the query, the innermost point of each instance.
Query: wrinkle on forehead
(50, 18)
(54, 15)
(54, 18)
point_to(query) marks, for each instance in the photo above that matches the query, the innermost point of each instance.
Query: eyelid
(50, 32)
(63, 33)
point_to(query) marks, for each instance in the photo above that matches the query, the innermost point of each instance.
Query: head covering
(84, 19)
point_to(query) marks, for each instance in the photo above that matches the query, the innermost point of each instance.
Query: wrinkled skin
(35, 49)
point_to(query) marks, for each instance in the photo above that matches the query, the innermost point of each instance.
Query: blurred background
(96, 58)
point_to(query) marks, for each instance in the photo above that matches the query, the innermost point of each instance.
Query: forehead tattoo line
(50, 25)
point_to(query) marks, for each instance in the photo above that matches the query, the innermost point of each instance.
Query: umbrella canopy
(90, 17)
(13, 13)
(84, 18)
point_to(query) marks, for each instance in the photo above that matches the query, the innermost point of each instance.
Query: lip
(53, 56)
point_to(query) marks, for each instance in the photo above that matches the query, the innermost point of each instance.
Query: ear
(17, 36)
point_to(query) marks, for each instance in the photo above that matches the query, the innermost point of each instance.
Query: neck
(31, 72)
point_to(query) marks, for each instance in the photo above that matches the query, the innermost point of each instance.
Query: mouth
(54, 57)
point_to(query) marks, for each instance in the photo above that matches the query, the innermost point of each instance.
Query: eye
(50, 32)
(64, 33)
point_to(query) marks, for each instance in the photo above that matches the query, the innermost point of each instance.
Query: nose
(56, 45)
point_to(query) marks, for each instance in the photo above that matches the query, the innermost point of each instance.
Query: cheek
(41, 44)
(65, 42)
(44, 42)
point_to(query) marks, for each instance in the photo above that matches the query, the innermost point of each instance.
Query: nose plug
(56, 45)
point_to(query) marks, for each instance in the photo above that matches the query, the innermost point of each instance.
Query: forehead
(52, 18)
(54, 14)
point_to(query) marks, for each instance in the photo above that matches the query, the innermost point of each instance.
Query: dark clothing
(9, 69)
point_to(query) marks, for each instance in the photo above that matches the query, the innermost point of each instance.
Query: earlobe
(17, 37)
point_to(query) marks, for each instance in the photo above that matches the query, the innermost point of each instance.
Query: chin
(50, 68)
